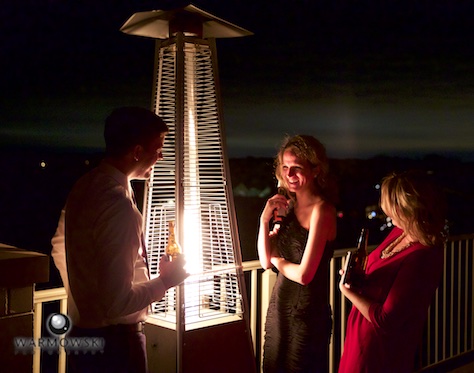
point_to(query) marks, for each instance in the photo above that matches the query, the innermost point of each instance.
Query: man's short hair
(127, 127)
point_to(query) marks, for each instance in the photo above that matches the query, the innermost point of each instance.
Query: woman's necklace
(389, 250)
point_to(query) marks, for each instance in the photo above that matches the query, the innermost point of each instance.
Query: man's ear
(137, 152)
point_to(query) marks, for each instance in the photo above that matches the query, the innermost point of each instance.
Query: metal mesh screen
(212, 290)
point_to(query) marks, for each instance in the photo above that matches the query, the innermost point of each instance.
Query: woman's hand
(344, 288)
(359, 301)
(265, 237)
(276, 202)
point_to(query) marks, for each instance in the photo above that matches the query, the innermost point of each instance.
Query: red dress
(402, 288)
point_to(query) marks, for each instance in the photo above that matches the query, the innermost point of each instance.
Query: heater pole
(179, 146)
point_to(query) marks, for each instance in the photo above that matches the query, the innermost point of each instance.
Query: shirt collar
(119, 176)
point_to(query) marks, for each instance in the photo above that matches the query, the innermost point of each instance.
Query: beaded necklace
(389, 252)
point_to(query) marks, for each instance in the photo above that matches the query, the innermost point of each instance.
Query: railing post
(62, 351)
(253, 307)
(268, 280)
(37, 321)
(332, 295)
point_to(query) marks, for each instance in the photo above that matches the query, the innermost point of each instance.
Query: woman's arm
(411, 291)
(264, 241)
(362, 303)
(322, 228)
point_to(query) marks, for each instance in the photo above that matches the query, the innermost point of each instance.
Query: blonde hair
(418, 203)
(309, 149)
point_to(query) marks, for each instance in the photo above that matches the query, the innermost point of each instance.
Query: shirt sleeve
(118, 236)
(411, 291)
(58, 251)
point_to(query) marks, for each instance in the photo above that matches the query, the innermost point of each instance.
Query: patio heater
(201, 325)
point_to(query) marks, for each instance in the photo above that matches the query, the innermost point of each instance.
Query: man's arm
(59, 250)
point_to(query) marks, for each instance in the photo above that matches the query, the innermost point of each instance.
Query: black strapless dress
(298, 324)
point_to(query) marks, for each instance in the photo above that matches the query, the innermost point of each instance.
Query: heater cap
(192, 21)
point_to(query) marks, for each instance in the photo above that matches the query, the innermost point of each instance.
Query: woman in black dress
(298, 324)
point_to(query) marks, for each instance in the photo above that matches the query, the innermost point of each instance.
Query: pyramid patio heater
(201, 325)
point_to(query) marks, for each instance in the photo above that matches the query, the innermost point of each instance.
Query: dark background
(367, 77)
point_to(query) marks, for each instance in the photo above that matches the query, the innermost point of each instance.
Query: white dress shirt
(59, 256)
(106, 275)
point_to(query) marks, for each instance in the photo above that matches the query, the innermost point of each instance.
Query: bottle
(279, 213)
(356, 262)
(172, 248)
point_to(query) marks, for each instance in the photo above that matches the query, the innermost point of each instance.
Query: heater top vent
(162, 24)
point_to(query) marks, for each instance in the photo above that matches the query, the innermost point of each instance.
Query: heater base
(220, 348)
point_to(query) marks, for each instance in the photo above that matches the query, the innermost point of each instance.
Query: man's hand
(172, 272)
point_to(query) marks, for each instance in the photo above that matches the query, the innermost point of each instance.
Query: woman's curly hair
(310, 149)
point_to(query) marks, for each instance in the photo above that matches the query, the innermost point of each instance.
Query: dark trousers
(124, 350)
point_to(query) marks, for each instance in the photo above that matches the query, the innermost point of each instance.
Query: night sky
(366, 77)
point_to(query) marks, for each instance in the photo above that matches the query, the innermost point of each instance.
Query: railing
(39, 299)
(450, 327)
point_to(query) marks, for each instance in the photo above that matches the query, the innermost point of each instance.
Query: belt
(138, 327)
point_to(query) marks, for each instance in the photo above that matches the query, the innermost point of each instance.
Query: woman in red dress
(386, 323)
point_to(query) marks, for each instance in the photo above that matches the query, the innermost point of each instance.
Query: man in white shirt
(98, 247)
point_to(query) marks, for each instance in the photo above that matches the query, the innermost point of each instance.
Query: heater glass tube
(192, 228)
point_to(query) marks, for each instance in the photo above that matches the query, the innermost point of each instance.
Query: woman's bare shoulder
(325, 213)
(324, 207)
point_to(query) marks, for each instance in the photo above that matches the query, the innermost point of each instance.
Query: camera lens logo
(58, 324)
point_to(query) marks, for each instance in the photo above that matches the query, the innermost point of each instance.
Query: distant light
(377, 186)
(87, 162)
(340, 214)
(43, 164)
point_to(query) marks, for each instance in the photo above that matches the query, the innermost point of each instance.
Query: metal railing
(39, 299)
(449, 331)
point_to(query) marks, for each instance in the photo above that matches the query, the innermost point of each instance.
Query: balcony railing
(449, 331)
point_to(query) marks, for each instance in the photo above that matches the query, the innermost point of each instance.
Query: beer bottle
(281, 212)
(356, 262)
(172, 248)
